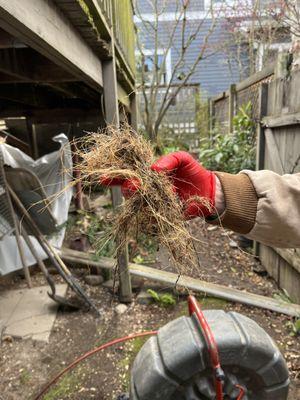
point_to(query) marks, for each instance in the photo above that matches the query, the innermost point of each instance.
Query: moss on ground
(212, 303)
(25, 376)
(66, 386)
(206, 303)
(131, 350)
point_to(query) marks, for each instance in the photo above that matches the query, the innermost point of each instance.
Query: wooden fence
(276, 108)
(225, 106)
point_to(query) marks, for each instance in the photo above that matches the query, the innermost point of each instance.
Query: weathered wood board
(281, 154)
(196, 285)
(41, 25)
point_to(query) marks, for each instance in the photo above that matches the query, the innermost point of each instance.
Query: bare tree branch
(155, 108)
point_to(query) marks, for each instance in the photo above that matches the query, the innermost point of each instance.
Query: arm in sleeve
(263, 206)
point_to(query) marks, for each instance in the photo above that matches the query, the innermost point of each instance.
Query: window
(163, 65)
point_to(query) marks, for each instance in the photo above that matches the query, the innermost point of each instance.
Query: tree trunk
(152, 134)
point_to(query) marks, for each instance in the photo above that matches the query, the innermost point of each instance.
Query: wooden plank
(282, 120)
(260, 148)
(259, 76)
(197, 285)
(220, 96)
(270, 261)
(41, 25)
(263, 106)
(292, 256)
(26, 65)
(273, 150)
(27, 94)
(289, 279)
(66, 115)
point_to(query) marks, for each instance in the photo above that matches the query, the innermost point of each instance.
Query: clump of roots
(154, 208)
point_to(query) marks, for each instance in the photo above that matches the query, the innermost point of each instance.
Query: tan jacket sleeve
(263, 206)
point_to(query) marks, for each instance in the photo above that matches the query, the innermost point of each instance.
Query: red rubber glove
(190, 179)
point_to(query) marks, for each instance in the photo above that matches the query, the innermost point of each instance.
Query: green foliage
(164, 300)
(96, 228)
(294, 327)
(202, 116)
(142, 250)
(231, 152)
(170, 149)
(283, 296)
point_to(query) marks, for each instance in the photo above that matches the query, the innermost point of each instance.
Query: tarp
(54, 170)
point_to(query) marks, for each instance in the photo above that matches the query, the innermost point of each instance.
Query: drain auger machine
(210, 355)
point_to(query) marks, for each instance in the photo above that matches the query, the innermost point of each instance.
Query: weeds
(164, 300)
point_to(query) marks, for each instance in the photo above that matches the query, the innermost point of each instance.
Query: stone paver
(29, 313)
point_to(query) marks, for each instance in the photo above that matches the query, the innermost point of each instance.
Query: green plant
(65, 388)
(231, 152)
(164, 300)
(294, 327)
(283, 296)
(25, 376)
(202, 118)
(96, 231)
(142, 250)
(170, 149)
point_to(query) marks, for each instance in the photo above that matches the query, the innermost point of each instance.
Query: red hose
(90, 353)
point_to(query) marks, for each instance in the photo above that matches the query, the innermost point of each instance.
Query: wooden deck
(52, 54)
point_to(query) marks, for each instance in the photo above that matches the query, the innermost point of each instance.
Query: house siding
(169, 5)
(217, 70)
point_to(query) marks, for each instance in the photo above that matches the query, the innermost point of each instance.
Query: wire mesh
(251, 94)
(6, 219)
(243, 97)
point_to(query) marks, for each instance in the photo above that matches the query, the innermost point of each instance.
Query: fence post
(112, 117)
(281, 67)
(260, 146)
(212, 111)
(232, 106)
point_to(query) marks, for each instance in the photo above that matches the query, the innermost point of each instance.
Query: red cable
(242, 392)
(194, 308)
(90, 353)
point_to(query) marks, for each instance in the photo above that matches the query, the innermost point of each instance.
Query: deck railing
(119, 15)
(124, 30)
(107, 10)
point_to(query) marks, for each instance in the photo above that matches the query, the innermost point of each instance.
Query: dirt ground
(26, 366)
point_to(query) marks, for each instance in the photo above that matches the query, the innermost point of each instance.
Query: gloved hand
(190, 179)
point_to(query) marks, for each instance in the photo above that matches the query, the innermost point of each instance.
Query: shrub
(231, 152)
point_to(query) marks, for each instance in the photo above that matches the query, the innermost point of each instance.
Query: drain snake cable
(89, 354)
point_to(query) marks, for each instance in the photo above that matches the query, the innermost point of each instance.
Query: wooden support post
(134, 112)
(76, 174)
(232, 107)
(281, 68)
(112, 117)
(32, 138)
(260, 146)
